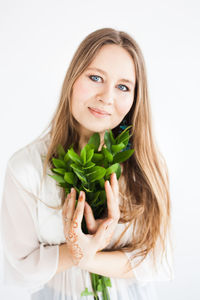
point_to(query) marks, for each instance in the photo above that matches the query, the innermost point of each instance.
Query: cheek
(81, 92)
(123, 107)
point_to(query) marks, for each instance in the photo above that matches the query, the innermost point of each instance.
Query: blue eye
(127, 89)
(96, 76)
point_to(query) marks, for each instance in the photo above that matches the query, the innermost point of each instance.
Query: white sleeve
(147, 272)
(27, 262)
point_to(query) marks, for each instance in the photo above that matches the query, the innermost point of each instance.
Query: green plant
(88, 172)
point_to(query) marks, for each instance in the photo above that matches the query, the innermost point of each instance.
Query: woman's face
(106, 89)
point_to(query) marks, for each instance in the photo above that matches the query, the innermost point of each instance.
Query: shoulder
(26, 164)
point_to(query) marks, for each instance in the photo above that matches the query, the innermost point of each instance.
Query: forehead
(115, 61)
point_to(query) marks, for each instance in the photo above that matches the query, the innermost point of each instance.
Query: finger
(100, 234)
(78, 214)
(111, 202)
(69, 210)
(64, 208)
(71, 204)
(115, 186)
(89, 218)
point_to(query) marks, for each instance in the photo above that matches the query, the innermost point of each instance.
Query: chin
(97, 129)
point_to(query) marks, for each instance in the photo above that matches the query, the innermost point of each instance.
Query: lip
(97, 113)
(100, 111)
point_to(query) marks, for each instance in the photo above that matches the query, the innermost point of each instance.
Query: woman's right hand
(83, 247)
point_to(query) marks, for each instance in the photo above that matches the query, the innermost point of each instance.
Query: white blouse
(31, 233)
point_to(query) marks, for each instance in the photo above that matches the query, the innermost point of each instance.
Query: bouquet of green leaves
(89, 171)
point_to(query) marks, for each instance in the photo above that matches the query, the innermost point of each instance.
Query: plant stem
(105, 289)
(94, 285)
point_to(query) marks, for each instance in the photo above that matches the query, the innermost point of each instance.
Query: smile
(98, 114)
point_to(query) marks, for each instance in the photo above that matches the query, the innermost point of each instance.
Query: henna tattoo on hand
(75, 223)
(72, 237)
(74, 248)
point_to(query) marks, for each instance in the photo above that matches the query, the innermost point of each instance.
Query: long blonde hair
(146, 196)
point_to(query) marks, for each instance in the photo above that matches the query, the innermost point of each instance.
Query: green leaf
(58, 163)
(107, 140)
(86, 292)
(102, 183)
(112, 169)
(117, 148)
(80, 175)
(94, 196)
(123, 134)
(95, 141)
(58, 178)
(61, 151)
(102, 195)
(107, 155)
(77, 168)
(89, 154)
(105, 164)
(97, 157)
(95, 173)
(66, 157)
(118, 172)
(112, 137)
(107, 281)
(74, 156)
(125, 138)
(59, 171)
(70, 178)
(89, 165)
(123, 156)
(83, 155)
(65, 185)
(100, 202)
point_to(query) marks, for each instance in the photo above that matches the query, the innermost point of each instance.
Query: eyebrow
(103, 72)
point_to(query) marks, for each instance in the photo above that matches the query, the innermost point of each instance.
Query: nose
(107, 94)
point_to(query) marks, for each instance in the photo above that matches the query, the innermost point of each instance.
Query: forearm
(65, 261)
(110, 264)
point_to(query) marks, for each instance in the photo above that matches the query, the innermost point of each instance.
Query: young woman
(45, 249)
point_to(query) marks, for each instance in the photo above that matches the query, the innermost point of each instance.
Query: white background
(38, 40)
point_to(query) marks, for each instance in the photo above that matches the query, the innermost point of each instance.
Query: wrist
(65, 261)
(87, 261)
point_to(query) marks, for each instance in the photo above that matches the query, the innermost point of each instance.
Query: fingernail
(81, 196)
(72, 190)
